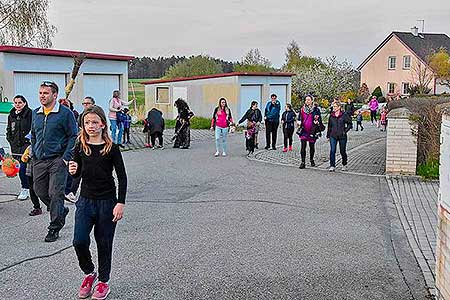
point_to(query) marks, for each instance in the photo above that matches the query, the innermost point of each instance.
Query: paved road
(199, 227)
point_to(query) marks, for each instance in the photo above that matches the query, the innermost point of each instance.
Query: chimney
(415, 31)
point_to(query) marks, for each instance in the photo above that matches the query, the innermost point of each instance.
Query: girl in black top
(288, 119)
(98, 207)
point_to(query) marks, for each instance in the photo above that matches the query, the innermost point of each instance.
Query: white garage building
(22, 70)
(202, 92)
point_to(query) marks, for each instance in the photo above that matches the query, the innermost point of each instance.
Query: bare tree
(422, 75)
(25, 23)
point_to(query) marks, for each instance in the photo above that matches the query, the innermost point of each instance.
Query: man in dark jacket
(19, 125)
(272, 119)
(53, 134)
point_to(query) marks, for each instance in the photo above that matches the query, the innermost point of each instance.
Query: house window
(391, 62)
(407, 62)
(405, 88)
(391, 87)
(162, 95)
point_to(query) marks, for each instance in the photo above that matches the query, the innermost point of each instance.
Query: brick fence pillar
(401, 148)
(443, 230)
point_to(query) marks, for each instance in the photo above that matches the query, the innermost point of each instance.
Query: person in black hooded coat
(155, 123)
(19, 125)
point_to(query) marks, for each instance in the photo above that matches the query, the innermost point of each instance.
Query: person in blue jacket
(53, 134)
(272, 121)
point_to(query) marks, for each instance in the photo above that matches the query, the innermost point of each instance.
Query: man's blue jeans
(342, 149)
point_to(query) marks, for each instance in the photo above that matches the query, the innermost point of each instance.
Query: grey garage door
(249, 93)
(27, 84)
(100, 87)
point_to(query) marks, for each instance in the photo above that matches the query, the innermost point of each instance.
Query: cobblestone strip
(416, 203)
(366, 149)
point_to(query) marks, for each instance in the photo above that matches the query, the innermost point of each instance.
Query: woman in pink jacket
(373, 106)
(116, 104)
(220, 123)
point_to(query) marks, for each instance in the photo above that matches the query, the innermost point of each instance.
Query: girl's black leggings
(287, 133)
(312, 150)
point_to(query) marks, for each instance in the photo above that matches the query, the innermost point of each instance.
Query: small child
(126, 126)
(98, 207)
(250, 134)
(383, 118)
(359, 119)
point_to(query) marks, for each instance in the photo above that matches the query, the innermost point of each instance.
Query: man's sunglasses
(50, 84)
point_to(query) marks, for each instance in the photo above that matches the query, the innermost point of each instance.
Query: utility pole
(423, 25)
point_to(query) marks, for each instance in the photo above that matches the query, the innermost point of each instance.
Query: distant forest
(148, 67)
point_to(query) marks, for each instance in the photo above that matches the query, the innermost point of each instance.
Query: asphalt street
(200, 227)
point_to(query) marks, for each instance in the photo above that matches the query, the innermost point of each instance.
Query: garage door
(249, 93)
(27, 84)
(281, 91)
(101, 88)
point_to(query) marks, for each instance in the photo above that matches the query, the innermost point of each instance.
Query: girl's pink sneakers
(101, 291)
(86, 286)
(285, 149)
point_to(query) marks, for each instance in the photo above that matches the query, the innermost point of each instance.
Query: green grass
(140, 97)
(429, 169)
(196, 123)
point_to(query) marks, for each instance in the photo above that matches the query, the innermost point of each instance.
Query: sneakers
(313, 164)
(24, 194)
(71, 197)
(302, 165)
(267, 147)
(154, 147)
(224, 154)
(101, 291)
(344, 168)
(86, 286)
(285, 149)
(52, 236)
(161, 147)
(121, 146)
(274, 148)
(290, 148)
(149, 146)
(216, 154)
(35, 212)
(331, 169)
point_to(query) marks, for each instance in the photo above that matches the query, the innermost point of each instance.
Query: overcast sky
(348, 29)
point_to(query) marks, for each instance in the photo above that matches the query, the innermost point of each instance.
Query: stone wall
(443, 230)
(401, 147)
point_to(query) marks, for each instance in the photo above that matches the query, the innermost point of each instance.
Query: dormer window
(391, 62)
